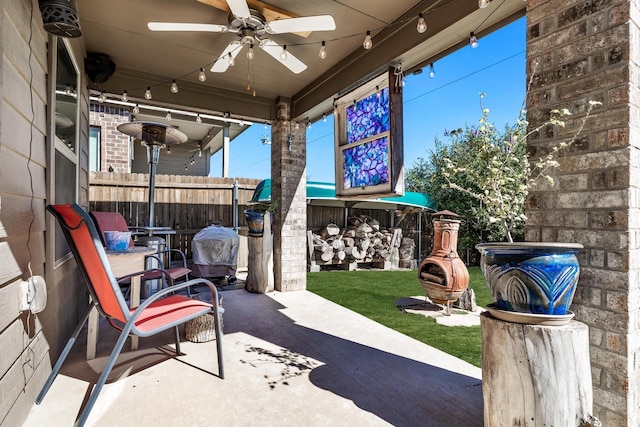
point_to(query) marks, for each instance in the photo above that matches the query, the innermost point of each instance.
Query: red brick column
(288, 191)
(579, 51)
(114, 150)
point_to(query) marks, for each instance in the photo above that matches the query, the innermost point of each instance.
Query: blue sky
(431, 106)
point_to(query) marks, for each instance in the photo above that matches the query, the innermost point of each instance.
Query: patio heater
(155, 136)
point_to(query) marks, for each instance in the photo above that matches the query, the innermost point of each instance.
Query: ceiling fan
(252, 27)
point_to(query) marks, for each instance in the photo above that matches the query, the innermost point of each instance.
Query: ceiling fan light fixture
(174, 87)
(421, 27)
(202, 76)
(283, 54)
(323, 51)
(367, 43)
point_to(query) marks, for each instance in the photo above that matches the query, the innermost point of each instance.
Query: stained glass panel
(368, 116)
(367, 164)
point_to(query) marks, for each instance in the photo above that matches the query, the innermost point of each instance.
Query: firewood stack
(363, 241)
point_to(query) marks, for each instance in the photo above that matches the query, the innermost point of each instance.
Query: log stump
(260, 261)
(536, 375)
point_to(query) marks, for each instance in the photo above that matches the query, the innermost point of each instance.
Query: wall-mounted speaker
(99, 67)
(60, 17)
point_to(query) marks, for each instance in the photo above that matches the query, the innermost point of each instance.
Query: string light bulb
(198, 119)
(283, 54)
(324, 118)
(174, 87)
(136, 109)
(483, 3)
(168, 116)
(378, 93)
(308, 124)
(367, 43)
(103, 97)
(250, 53)
(125, 96)
(421, 27)
(147, 93)
(323, 51)
(473, 40)
(232, 61)
(432, 71)
(168, 150)
(202, 76)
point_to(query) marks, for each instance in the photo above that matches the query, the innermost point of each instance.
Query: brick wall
(288, 189)
(114, 149)
(579, 51)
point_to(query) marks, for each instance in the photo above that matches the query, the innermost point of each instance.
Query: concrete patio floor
(291, 359)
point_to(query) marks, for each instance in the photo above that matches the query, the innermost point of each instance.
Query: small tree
(483, 174)
(501, 174)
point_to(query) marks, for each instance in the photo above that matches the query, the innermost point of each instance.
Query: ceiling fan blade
(306, 23)
(239, 8)
(185, 26)
(275, 50)
(223, 61)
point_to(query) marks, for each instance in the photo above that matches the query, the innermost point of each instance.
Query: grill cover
(215, 251)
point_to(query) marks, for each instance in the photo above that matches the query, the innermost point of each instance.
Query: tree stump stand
(536, 375)
(260, 261)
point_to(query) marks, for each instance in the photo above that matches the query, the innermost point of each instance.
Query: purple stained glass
(367, 164)
(368, 116)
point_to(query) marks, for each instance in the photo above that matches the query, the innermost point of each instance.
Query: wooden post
(260, 261)
(536, 375)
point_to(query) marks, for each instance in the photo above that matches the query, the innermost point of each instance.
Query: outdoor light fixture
(60, 17)
(201, 75)
(174, 87)
(323, 51)
(473, 40)
(367, 43)
(422, 24)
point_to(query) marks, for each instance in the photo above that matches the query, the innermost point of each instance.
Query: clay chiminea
(442, 274)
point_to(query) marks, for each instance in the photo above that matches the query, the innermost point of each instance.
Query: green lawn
(373, 294)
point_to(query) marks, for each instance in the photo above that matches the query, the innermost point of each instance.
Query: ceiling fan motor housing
(249, 29)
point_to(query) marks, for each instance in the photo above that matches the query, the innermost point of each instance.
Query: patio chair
(114, 221)
(161, 311)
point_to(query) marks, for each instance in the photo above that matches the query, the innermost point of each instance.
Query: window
(369, 140)
(94, 148)
(65, 168)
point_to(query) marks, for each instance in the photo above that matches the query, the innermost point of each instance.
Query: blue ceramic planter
(531, 277)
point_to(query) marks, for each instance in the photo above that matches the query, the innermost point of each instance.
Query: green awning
(324, 194)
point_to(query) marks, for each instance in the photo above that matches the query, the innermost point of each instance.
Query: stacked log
(362, 241)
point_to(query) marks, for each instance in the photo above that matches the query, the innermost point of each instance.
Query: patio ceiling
(145, 58)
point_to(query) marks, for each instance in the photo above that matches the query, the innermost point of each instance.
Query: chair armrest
(162, 271)
(182, 255)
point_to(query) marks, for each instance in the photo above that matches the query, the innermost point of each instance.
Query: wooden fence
(187, 204)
